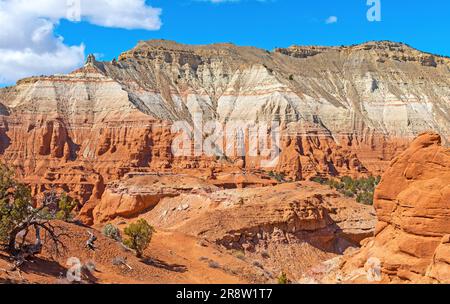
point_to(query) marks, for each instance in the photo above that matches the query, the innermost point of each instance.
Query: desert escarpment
(343, 111)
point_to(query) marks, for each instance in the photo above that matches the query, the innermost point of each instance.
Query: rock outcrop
(288, 227)
(139, 193)
(412, 237)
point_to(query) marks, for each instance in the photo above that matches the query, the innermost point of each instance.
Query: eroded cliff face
(412, 202)
(345, 110)
(413, 209)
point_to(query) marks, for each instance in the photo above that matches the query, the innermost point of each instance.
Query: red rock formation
(413, 208)
(339, 112)
(288, 227)
(139, 193)
(412, 237)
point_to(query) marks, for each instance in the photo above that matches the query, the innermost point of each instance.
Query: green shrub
(139, 236)
(365, 198)
(363, 188)
(279, 177)
(283, 279)
(66, 205)
(112, 232)
(319, 180)
(348, 193)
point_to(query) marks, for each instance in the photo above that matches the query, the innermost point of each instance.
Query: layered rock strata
(343, 111)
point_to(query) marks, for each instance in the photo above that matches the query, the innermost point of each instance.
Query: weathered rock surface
(413, 207)
(205, 234)
(288, 227)
(139, 193)
(344, 110)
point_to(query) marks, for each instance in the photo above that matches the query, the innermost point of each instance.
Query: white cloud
(331, 20)
(29, 46)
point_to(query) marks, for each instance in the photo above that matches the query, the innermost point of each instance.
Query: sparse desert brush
(279, 177)
(139, 236)
(283, 279)
(112, 232)
(213, 264)
(265, 254)
(361, 188)
(240, 254)
(257, 264)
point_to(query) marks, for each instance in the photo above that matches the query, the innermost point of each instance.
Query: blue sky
(279, 23)
(266, 24)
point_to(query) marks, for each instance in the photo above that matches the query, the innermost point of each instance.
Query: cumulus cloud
(331, 20)
(29, 46)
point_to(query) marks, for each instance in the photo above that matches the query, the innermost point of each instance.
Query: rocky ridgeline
(383, 50)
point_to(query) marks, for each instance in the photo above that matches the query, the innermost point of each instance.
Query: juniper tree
(19, 216)
(139, 236)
